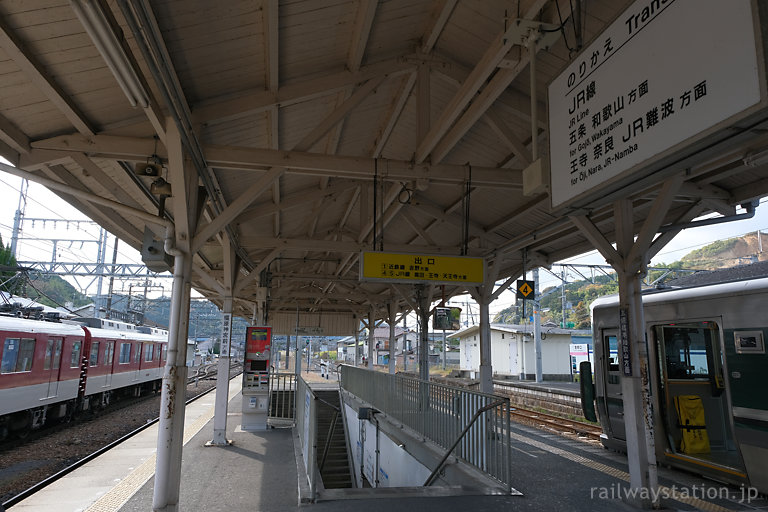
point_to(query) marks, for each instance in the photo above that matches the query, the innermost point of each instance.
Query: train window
(165, 352)
(53, 354)
(74, 361)
(149, 350)
(125, 353)
(109, 353)
(686, 350)
(94, 359)
(48, 355)
(137, 353)
(17, 355)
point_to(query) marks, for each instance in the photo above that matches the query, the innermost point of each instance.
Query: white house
(513, 353)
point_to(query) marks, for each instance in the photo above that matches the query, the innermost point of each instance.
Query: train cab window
(17, 355)
(149, 350)
(93, 360)
(74, 361)
(686, 349)
(125, 353)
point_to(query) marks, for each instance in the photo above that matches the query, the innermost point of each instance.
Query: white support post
(391, 320)
(635, 379)
(486, 368)
(221, 404)
(171, 421)
(423, 303)
(537, 325)
(371, 338)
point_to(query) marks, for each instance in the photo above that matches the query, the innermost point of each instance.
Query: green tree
(9, 277)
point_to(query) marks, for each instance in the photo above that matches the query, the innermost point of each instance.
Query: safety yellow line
(706, 465)
(622, 475)
(122, 492)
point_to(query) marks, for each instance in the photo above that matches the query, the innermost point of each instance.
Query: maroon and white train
(50, 371)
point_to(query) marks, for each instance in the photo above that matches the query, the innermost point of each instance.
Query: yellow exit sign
(419, 268)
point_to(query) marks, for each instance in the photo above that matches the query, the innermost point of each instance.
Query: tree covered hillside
(580, 294)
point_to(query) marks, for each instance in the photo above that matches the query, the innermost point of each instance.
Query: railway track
(557, 423)
(12, 493)
(209, 372)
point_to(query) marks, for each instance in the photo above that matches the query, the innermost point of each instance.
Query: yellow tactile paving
(122, 492)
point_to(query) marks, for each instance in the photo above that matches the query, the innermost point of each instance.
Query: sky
(43, 204)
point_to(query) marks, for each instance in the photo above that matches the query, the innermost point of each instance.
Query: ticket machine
(256, 368)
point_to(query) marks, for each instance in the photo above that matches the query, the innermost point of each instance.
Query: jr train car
(709, 378)
(50, 371)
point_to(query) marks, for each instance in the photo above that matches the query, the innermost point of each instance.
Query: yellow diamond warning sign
(524, 289)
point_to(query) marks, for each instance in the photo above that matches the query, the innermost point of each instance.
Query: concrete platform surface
(258, 472)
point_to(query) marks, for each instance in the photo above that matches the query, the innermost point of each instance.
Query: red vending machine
(256, 368)
(258, 346)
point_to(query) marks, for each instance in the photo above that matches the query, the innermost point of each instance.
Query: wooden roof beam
(476, 79)
(361, 31)
(295, 92)
(36, 74)
(440, 15)
(238, 157)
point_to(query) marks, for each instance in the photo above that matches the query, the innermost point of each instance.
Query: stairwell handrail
(448, 452)
(331, 429)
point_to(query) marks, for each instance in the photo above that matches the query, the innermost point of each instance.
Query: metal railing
(442, 414)
(282, 398)
(306, 427)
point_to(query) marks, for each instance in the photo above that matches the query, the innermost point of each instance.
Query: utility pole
(17, 218)
(562, 295)
(100, 255)
(112, 279)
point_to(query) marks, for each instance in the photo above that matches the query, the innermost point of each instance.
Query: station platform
(555, 386)
(258, 472)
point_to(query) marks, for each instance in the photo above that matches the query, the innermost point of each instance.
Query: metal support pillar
(171, 421)
(486, 368)
(633, 352)
(391, 320)
(537, 326)
(357, 345)
(371, 338)
(423, 305)
(222, 379)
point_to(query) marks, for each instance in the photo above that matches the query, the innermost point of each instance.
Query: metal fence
(306, 428)
(282, 398)
(442, 414)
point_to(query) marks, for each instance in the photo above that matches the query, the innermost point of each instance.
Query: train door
(695, 404)
(137, 361)
(52, 364)
(614, 402)
(109, 362)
